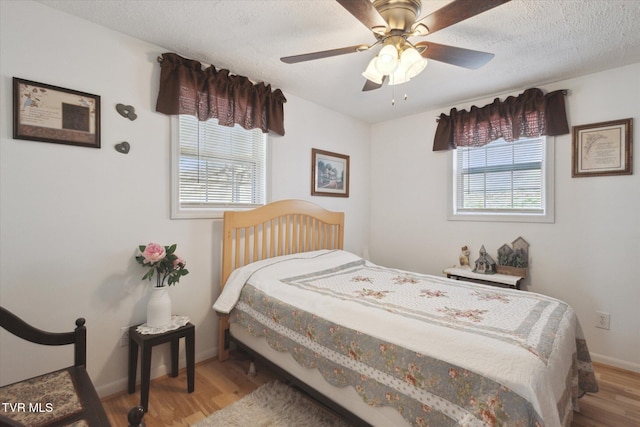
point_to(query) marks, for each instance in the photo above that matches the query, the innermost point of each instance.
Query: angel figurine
(464, 257)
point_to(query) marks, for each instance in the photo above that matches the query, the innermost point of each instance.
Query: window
(503, 181)
(216, 168)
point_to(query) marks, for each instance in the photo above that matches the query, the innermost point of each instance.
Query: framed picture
(329, 174)
(603, 148)
(46, 113)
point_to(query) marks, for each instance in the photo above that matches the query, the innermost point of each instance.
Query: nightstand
(147, 341)
(502, 280)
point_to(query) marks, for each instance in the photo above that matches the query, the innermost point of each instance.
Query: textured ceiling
(535, 42)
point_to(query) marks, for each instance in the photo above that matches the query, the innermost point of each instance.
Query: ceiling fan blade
(321, 54)
(364, 12)
(472, 59)
(369, 85)
(457, 11)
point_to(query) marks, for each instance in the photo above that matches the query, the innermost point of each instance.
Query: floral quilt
(439, 351)
(521, 319)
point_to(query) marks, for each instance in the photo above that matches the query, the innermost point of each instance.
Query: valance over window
(187, 88)
(531, 114)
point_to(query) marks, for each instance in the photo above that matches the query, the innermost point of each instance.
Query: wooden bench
(502, 280)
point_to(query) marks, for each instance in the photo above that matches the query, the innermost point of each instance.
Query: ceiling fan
(393, 22)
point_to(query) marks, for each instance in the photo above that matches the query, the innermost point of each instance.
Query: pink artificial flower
(153, 253)
(179, 262)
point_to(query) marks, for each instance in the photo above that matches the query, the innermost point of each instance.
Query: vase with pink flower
(168, 268)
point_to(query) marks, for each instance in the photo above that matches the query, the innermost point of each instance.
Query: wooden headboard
(279, 228)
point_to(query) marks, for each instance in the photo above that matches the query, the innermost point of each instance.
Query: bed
(390, 347)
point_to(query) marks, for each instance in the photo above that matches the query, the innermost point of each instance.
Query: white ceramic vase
(159, 307)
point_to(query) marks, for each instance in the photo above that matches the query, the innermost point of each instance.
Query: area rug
(273, 405)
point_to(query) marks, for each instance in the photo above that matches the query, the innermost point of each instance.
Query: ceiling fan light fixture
(412, 62)
(372, 73)
(399, 76)
(387, 60)
(393, 22)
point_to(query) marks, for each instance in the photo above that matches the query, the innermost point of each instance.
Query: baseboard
(617, 363)
(121, 384)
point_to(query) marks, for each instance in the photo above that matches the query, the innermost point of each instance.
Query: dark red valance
(187, 88)
(530, 114)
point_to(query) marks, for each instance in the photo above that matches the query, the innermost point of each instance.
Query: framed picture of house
(603, 148)
(329, 174)
(46, 113)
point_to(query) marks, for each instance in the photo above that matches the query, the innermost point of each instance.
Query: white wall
(309, 125)
(589, 257)
(72, 217)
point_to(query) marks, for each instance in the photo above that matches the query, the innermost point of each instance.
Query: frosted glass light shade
(371, 73)
(399, 76)
(413, 62)
(387, 60)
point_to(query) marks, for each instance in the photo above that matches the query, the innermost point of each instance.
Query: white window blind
(219, 167)
(501, 178)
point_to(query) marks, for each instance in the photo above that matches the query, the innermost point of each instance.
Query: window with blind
(503, 181)
(216, 168)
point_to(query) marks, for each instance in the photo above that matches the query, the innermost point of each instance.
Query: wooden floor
(617, 404)
(216, 386)
(220, 384)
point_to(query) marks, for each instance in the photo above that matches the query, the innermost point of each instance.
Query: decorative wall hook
(123, 147)
(127, 111)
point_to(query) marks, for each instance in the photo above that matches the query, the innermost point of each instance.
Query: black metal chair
(91, 408)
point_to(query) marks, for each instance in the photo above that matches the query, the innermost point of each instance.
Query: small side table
(503, 280)
(147, 341)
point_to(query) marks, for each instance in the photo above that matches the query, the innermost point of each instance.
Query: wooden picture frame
(47, 113)
(329, 174)
(604, 148)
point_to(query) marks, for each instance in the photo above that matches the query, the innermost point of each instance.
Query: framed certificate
(603, 148)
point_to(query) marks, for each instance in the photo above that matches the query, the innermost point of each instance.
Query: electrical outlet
(602, 320)
(124, 338)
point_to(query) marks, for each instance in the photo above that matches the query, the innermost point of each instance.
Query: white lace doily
(175, 323)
